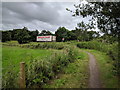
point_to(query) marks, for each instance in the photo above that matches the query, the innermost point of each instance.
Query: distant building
(49, 38)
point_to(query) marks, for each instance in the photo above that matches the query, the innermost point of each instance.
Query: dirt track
(94, 80)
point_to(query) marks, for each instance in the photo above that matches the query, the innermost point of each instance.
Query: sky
(39, 15)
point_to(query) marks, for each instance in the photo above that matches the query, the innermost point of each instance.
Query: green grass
(75, 75)
(12, 56)
(107, 74)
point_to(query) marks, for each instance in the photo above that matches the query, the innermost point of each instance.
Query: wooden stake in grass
(22, 75)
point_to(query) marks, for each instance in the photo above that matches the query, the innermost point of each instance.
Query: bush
(40, 71)
(10, 79)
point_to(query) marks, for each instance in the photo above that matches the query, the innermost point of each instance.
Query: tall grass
(40, 71)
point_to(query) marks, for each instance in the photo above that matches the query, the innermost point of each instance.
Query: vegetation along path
(94, 80)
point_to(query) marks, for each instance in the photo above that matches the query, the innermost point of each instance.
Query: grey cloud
(42, 15)
(43, 11)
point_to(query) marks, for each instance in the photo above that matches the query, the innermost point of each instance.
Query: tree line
(21, 35)
(24, 35)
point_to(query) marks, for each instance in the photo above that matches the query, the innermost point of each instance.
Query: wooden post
(22, 75)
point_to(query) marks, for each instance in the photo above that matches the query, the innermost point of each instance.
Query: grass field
(12, 56)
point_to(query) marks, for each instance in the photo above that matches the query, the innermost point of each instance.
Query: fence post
(22, 75)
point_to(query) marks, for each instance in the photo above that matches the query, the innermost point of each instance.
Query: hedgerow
(38, 45)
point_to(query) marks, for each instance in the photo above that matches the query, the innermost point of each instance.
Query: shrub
(40, 71)
(10, 79)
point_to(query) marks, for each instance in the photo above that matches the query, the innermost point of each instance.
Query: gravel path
(94, 80)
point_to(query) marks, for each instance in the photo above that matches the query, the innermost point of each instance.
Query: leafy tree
(14, 33)
(6, 36)
(22, 35)
(45, 32)
(61, 32)
(92, 35)
(107, 15)
(33, 35)
(71, 35)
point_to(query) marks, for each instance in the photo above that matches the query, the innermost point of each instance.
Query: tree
(45, 32)
(71, 35)
(22, 36)
(107, 15)
(33, 35)
(92, 35)
(61, 32)
(6, 36)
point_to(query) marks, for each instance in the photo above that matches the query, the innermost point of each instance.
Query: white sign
(46, 38)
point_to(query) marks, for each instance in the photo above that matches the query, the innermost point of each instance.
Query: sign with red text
(46, 38)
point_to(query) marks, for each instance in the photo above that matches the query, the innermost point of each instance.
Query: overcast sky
(39, 15)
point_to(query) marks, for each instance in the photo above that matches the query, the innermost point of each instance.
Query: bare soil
(94, 79)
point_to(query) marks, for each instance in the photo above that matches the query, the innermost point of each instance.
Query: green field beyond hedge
(12, 56)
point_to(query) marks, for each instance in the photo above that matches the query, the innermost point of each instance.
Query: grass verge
(105, 64)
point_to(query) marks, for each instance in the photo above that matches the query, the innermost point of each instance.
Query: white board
(44, 38)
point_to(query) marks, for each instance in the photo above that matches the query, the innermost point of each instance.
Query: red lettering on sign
(44, 37)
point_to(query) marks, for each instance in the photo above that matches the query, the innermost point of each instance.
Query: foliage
(40, 71)
(52, 45)
(21, 35)
(72, 77)
(37, 45)
(61, 33)
(33, 35)
(10, 79)
(79, 33)
(106, 14)
(6, 36)
(109, 49)
(45, 32)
